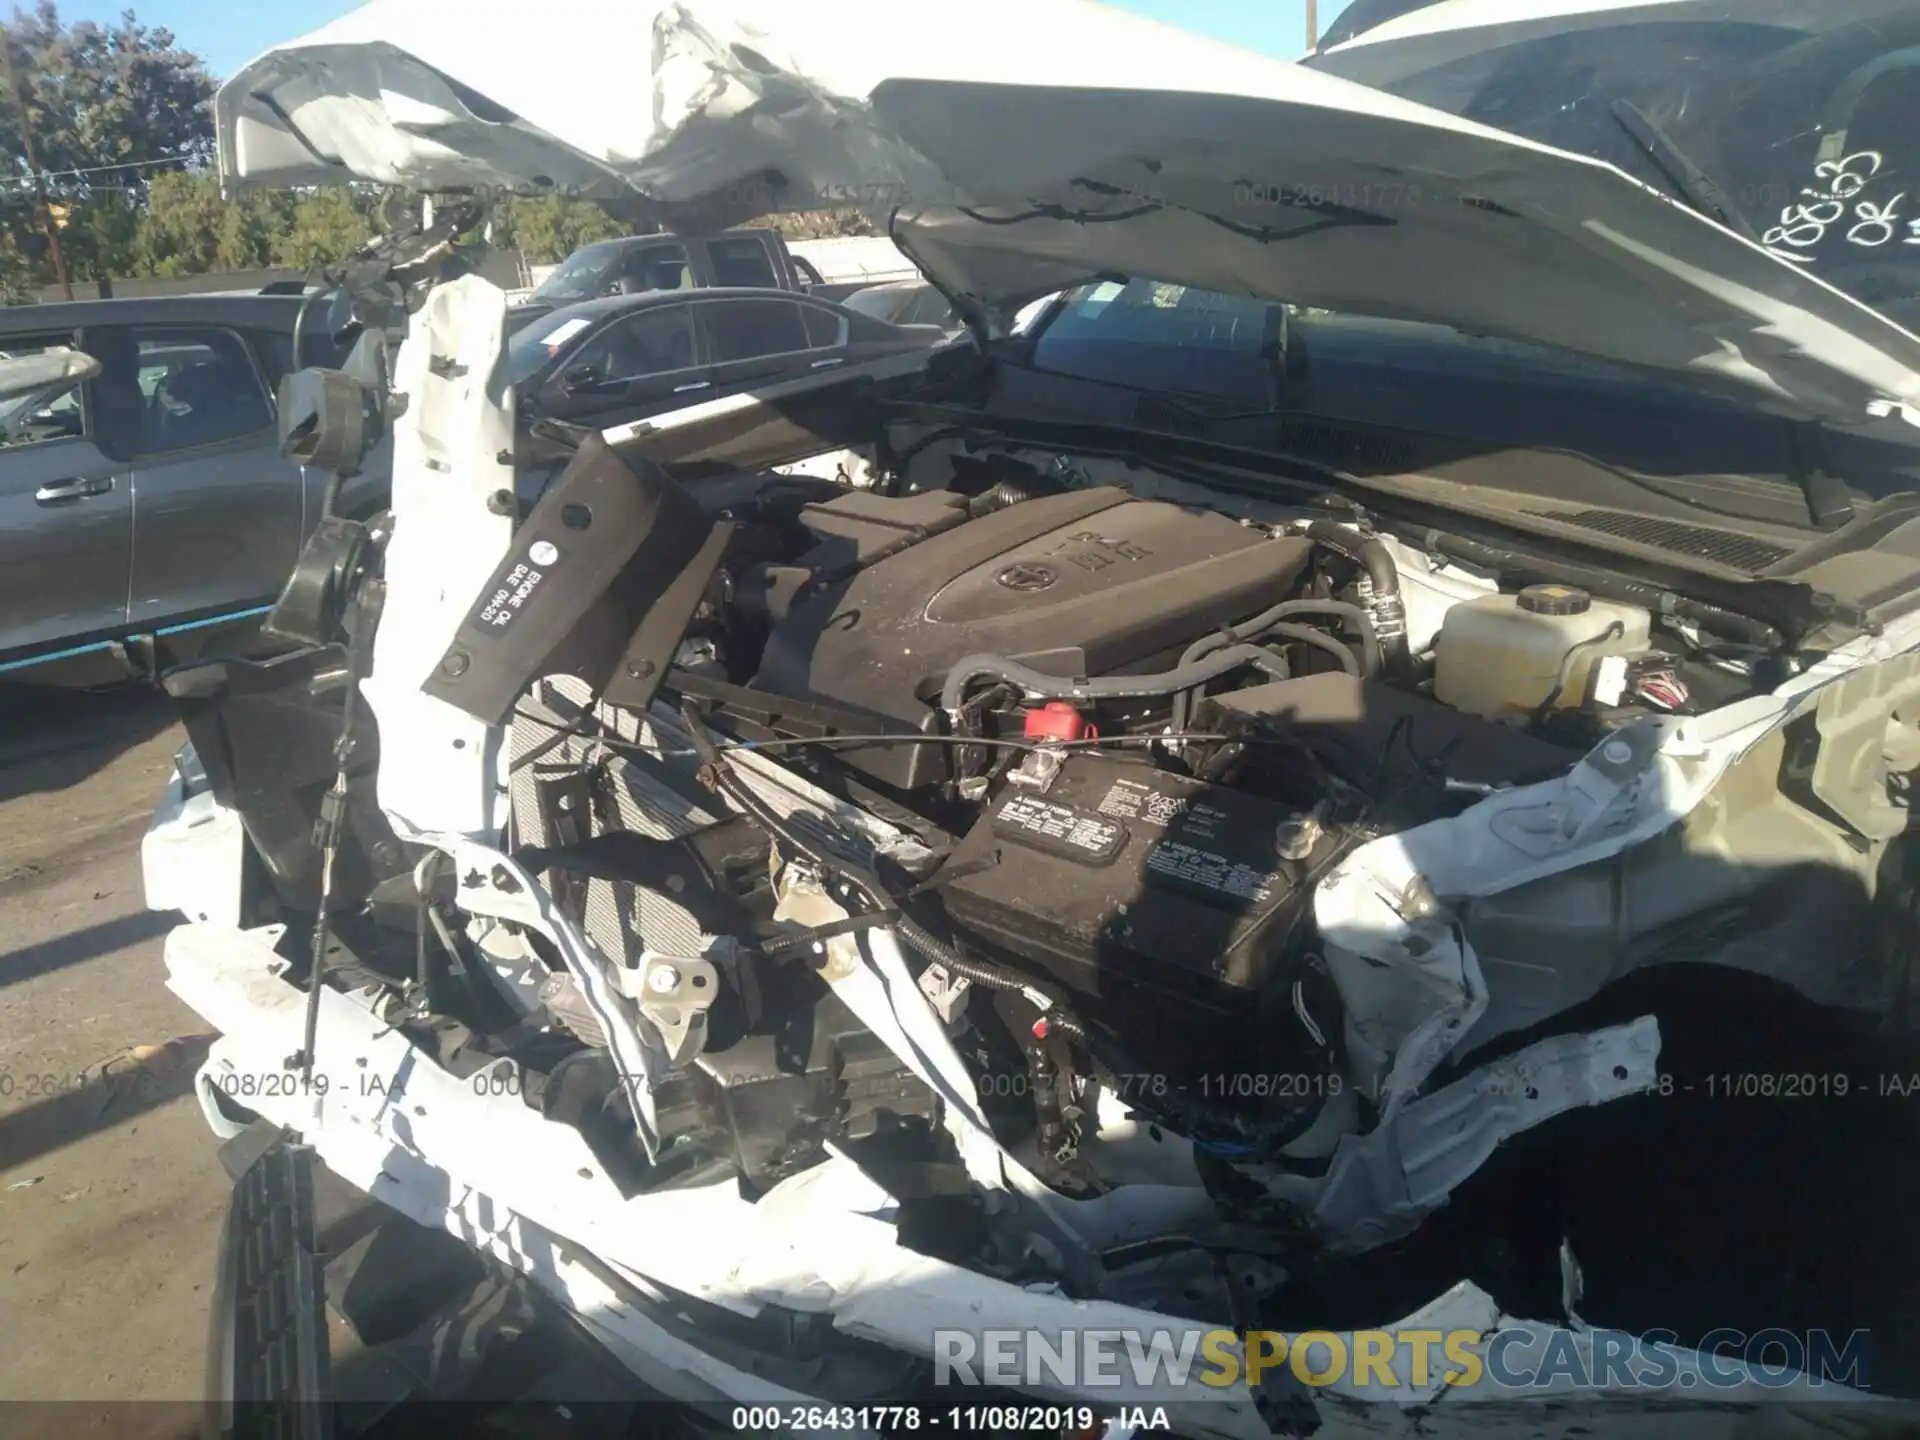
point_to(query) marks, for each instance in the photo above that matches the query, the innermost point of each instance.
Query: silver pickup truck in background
(146, 511)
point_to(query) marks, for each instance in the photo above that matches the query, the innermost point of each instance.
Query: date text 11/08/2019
(1717, 1085)
(500, 1080)
(947, 1419)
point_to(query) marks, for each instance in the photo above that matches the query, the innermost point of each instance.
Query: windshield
(542, 340)
(578, 276)
(1800, 127)
(1167, 338)
(1236, 366)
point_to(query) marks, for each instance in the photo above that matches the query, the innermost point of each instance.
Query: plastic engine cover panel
(1092, 582)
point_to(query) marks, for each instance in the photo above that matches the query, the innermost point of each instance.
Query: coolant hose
(1112, 687)
(1388, 610)
(1260, 625)
(1567, 661)
(1184, 700)
(1006, 494)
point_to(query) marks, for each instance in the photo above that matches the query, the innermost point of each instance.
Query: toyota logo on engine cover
(1027, 577)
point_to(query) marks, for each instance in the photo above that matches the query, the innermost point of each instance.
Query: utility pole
(1313, 23)
(47, 226)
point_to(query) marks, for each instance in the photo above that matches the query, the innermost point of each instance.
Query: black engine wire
(791, 742)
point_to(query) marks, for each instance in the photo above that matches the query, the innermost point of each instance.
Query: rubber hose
(1112, 687)
(1254, 627)
(1305, 634)
(1574, 652)
(1004, 496)
(1389, 610)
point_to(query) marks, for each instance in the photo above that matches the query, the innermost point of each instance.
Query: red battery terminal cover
(1058, 720)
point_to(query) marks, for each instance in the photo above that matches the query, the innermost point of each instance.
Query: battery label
(1209, 870)
(1131, 800)
(1063, 830)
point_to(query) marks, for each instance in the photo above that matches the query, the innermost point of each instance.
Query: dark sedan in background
(605, 362)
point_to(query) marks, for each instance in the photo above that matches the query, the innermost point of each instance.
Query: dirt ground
(111, 1197)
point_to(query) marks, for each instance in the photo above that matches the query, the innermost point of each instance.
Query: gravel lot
(111, 1196)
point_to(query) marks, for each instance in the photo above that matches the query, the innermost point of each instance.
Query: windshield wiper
(1829, 501)
(1151, 407)
(1699, 188)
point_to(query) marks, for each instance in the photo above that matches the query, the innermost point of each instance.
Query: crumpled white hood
(28, 374)
(1021, 147)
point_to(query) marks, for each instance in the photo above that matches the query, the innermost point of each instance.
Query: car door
(216, 507)
(633, 367)
(66, 541)
(760, 341)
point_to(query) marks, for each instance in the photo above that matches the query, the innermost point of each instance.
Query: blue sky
(227, 35)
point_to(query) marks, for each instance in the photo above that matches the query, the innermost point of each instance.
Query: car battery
(1119, 877)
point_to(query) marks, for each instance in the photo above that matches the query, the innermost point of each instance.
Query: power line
(35, 176)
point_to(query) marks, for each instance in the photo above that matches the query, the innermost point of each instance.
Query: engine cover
(1093, 582)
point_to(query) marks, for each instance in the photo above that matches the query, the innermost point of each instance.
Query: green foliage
(546, 229)
(104, 95)
(97, 96)
(324, 225)
(185, 228)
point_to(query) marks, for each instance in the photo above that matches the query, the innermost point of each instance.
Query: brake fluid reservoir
(1501, 656)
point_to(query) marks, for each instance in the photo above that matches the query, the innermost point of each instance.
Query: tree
(178, 231)
(324, 225)
(121, 96)
(546, 229)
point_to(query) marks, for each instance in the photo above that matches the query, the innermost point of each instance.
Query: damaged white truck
(824, 877)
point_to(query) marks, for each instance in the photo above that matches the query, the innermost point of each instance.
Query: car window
(54, 413)
(655, 341)
(741, 260)
(929, 307)
(276, 352)
(654, 267)
(749, 329)
(1160, 337)
(543, 338)
(578, 276)
(191, 386)
(825, 329)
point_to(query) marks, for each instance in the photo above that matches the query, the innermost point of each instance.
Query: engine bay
(1269, 794)
(1096, 753)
